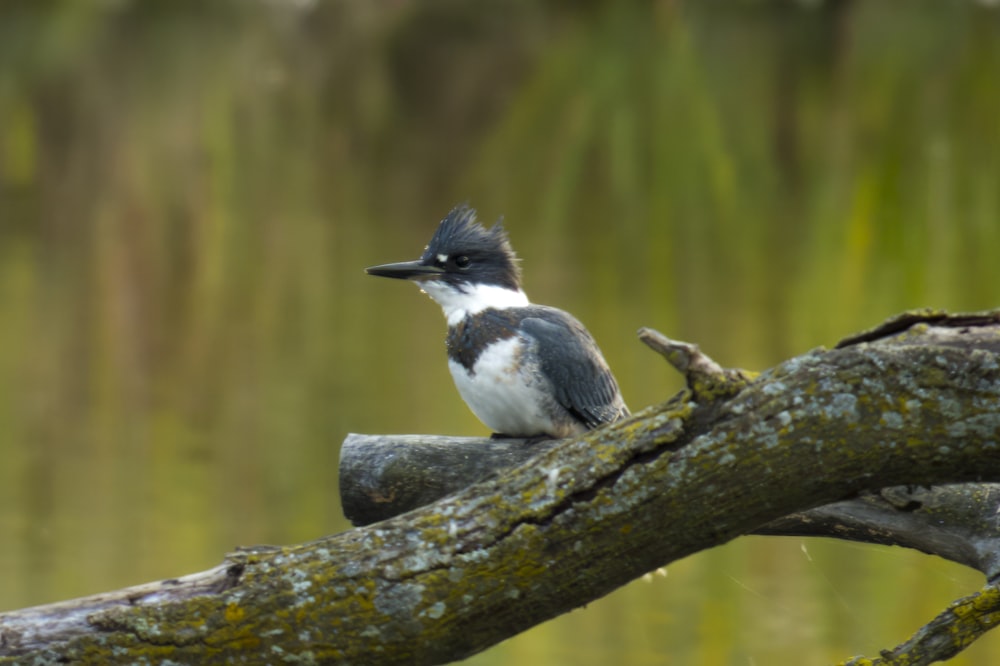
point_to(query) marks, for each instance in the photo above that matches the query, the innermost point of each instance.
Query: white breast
(509, 401)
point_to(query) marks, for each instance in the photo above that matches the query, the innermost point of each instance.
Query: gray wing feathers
(580, 377)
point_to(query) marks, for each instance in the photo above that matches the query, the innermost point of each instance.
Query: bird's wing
(572, 362)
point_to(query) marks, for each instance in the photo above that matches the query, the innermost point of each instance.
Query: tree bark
(913, 402)
(382, 476)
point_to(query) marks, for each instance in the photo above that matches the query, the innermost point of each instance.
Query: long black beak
(405, 270)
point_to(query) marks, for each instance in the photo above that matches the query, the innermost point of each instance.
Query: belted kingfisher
(524, 370)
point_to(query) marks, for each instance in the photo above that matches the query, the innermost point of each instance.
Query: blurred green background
(189, 192)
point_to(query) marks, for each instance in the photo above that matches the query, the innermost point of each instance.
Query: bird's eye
(462, 261)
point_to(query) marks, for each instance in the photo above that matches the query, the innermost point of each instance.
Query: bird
(525, 370)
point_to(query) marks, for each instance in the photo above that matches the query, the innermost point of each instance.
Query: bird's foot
(527, 440)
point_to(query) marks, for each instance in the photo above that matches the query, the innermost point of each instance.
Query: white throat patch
(476, 298)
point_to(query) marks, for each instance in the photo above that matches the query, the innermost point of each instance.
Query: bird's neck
(472, 298)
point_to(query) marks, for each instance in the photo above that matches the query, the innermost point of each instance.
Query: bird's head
(462, 254)
(466, 267)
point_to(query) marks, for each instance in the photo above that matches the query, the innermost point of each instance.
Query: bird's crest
(460, 234)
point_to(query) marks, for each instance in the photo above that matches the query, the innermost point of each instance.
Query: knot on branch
(707, 379)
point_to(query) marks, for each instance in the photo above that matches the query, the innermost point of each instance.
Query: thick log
(385, 475)
(382, 476)
(573, 523)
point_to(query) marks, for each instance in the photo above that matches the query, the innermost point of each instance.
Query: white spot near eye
(442, 258)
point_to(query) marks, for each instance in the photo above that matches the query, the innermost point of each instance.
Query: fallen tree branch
(946, 635)
(957, 522)
(382, 476)
(444, 581)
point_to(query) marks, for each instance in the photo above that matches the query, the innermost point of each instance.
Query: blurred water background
(189, 193)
